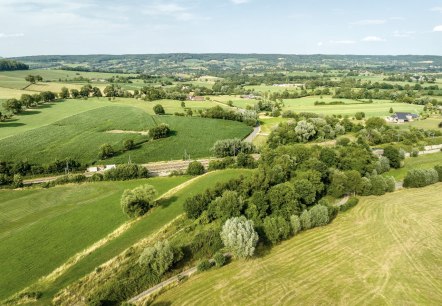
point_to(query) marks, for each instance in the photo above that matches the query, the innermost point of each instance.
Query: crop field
(421, 162)
(169, 209)
(11, 93)
(385, 251)
(56, 87)
(47, 226)
(47, 114)
(170, 106)
(237, 101)
(81, 135)
(377, 108)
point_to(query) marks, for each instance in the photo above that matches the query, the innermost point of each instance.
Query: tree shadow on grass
(166, 202)
(10, 124)
(46, 105)
(30, 112)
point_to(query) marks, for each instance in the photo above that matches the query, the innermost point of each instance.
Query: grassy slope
(387, 250)
(80, 137)
(422, 162)
(148, 225)
(53, 112)
(47, 114)
(40, 229)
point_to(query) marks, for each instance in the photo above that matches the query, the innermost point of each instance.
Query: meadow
(386, 250)
(378, 108)
(47, 226)
(421, 162)
(53, 75)
(80, 137)
(169, 208)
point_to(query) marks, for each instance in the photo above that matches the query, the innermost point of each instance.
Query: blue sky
(31, 27)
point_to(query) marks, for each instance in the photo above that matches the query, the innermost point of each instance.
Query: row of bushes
(416, 178)
(119, 173)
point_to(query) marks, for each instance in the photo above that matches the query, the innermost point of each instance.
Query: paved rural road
(253, 134)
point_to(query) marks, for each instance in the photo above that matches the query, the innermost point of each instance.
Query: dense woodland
(10, 65)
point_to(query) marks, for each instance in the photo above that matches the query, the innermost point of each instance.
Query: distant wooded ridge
(10, 65)
(216, 63)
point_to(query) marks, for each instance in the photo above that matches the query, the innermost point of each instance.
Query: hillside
(386, 250)
(80, 136)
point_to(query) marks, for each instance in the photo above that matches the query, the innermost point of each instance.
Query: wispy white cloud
(8, 35)
(342, 42)
(171, 10)
(438, 28)
(403, 34)
(437, 9)
(320, 43)
(367, 22)
(239, 1)
(372, 39)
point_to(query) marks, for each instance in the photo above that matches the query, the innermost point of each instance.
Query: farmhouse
(400, 117)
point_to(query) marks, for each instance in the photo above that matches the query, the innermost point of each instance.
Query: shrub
(239, 236)
(295, 222)
(342, 141)
(319, 215)
(160, 131)
(439, 172)
(244, 160)
(220, 259)
(204, 265)
(306, 220)
(378, 185)
(218, 164)
(276, 229)
(128, 145)
(126, 172)
(194, 206)
(232, 147)
(414, 152)
(157, 259)
(351, 202)
(138, 201)
(228, 205)
(70, 178)
(394, 156)
(359, 115)
(106, 151)
(158, 109)
(416, 178)
(96, 177)
(195, 168)
(17, 181)
(382, 165)
(206, 243)
(391, 183)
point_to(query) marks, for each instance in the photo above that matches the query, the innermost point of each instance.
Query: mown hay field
(385, 251)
